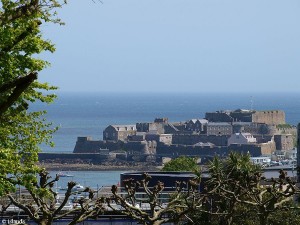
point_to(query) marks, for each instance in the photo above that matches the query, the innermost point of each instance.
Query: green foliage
(237, 193)
(181, 163)
(284, 126)
(286, 216)
(21, 130)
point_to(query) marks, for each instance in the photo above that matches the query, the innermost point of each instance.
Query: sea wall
(74, 157)
(87, 145)
(204, 151)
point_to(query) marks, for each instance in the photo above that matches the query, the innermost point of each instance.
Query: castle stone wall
(274, 117)
(218, 117)
(189, 150)
(253, 150)
(86, 145)
(191, 139)
(268, 148)
(284, 142)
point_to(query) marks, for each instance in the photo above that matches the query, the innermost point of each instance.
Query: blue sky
(176, 46)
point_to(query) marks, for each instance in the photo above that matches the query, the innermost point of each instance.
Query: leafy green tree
(21, 130)
(181, 163)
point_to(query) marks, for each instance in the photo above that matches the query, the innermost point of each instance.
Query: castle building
(118, 132)
(270, 117)
(284, 142)
(196, 125)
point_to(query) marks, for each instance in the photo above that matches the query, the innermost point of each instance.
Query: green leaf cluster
(21, 129)
(182, 163)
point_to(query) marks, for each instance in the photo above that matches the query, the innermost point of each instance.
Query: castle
(247, 131)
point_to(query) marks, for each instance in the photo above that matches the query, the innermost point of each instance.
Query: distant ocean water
(87, 114)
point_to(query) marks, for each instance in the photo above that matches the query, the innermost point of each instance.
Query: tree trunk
(263, 219)
(46, 221)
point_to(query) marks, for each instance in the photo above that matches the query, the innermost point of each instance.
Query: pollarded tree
(150, 209)
(43, 206)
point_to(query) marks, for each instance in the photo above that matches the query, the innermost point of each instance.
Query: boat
(76, 188)
(62, 174)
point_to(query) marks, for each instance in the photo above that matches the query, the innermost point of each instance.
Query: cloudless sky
(176, 46)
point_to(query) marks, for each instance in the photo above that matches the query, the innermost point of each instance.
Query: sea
(88, 114)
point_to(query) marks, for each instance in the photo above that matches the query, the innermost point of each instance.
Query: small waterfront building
(291, 154)
(261, 160)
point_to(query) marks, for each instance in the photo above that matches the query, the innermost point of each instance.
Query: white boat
(62, 174)
(78, 187)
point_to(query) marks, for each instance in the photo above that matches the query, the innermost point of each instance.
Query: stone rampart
(268, 148)
(87, 145)
(272, 117)
(218, 117)
(254, 150)
(191, 139)
(189, 150)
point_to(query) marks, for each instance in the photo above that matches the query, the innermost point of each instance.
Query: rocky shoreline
(108, 166)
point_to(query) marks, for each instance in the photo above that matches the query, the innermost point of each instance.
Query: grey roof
(172, 126)
(200, 120)
(218, 124)
(244, 134)
(242, 123)
(123, 127)
(204, 144)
